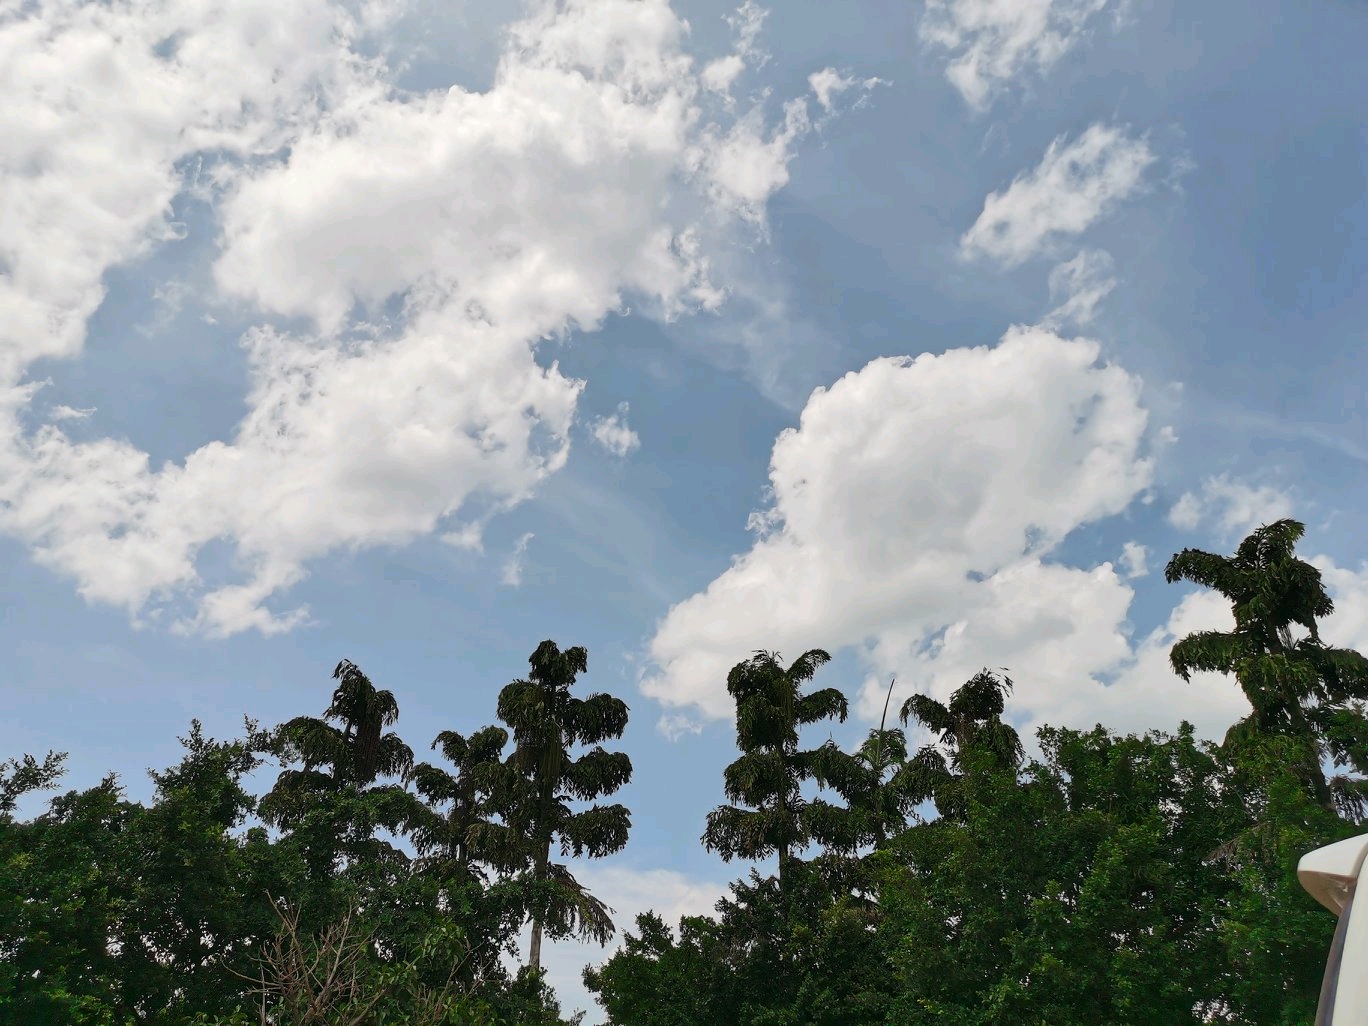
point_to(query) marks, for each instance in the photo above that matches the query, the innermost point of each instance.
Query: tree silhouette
(1298, 688)
(546, 720)
(333, 800)
(471, 796)
(769, 710)
(970, 734)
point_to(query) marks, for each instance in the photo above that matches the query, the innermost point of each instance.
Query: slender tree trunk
(534, 948)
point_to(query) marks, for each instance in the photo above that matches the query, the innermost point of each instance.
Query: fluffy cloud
(1062, 634)
(1234, 506)
(613, 433)
(994, 41)
(915, 509)
(1347, 626)
(919, 494)
(1072, 187)
(1133, 559)
(588, 171)
(1147, 694)
(1144, 693)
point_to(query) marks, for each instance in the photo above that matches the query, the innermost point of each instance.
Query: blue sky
(939, 328)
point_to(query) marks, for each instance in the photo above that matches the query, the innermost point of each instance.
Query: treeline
(1114, 880)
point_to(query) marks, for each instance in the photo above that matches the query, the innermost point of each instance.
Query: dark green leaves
(542, 776)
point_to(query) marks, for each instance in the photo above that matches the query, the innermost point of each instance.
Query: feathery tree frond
(453, 840)
(542, 777)
(334, 797)
(969, 728)
(770, 708)
(1299, 688)
(973, 718)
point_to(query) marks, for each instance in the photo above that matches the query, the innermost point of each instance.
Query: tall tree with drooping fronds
(770, 708)
(546, 720)
(333, 803)
(1297, 687)
(471, 799)
(880, 786)
(970, 731)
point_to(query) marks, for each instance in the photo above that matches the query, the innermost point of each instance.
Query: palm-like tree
(1297, 687)
(533, 796)
(887, 792)
(970, 734)
(342, 758)
(770, 708)
(358, 750)
(471, 796)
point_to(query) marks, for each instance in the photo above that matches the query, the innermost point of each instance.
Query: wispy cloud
(1233, 506)
(513, 566)
(64, 412)
(1078, 286)
(745, 22)
(828, 84)
(992, 42)
(1073, 186)
(675, 725)
(1133, 560)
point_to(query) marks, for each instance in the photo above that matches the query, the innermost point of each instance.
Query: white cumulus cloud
(585, 173)
(915, 512)
(1073, 186)
(915, 493)
(614, 434)
(992, 42)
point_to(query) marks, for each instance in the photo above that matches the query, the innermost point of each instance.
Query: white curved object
(1330, 875)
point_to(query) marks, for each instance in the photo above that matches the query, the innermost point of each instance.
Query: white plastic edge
(1328, 873)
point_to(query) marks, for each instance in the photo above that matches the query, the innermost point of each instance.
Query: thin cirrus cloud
(592, 168)
(1073, 186)
(1079, 285)
(513, 566)
(993, 42)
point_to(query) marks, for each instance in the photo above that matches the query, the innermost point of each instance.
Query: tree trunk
(534, 947)
(534, 950)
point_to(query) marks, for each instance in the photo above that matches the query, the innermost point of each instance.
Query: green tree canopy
(546, 720)
(1298, 687)
(770, 709)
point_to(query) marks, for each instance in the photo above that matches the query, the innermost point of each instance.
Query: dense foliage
(1108, 881)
